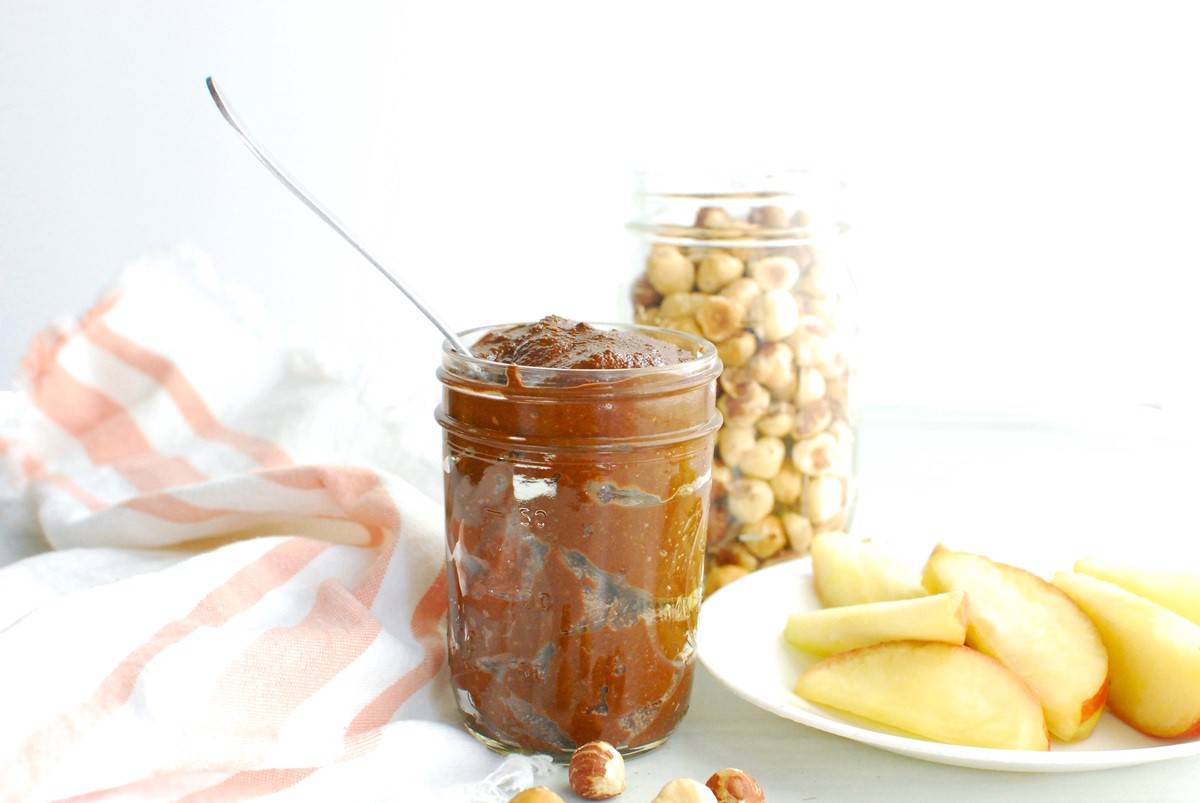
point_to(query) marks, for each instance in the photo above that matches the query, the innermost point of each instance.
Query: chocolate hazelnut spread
(555, 342)
(576, 502)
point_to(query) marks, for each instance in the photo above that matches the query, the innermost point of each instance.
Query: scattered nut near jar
(536, 794)
(597, 771)
(732, 785)
(685, 790)
(757, 268)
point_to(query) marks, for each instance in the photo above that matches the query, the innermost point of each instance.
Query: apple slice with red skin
(942, 692)
(1035, 630)
(939, 617)
(848, 570)
(1173, 589)
(1154, 657)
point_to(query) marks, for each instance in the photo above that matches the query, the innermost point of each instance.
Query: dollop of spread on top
(555, 342)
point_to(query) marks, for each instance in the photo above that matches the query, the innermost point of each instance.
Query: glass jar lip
(790, 181)
(670, 202)
(470, 366)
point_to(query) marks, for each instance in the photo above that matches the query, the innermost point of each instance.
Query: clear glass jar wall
(757, 265)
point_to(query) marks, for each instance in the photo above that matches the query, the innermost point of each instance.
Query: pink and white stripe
(285, 628)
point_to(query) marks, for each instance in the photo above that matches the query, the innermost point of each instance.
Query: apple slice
(848, 570)
(1154, 656)
(941, 617)
(941, 692)
(1172, 589)
(1033, 629)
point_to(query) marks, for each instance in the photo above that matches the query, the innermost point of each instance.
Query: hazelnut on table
(732, 785)
(597, 771)
(685, 790)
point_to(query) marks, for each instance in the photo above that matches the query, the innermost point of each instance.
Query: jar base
(560, 757)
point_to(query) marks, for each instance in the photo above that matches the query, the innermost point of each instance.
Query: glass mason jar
(757, 266)
(576, 512)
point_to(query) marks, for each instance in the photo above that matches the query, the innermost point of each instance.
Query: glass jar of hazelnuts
(757, 265)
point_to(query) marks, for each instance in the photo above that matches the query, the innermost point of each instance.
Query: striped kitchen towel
(217, 585)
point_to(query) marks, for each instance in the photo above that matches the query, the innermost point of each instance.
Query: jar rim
(704, 361)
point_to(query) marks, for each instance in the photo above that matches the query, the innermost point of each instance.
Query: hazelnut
(720, 576)
(717, 270)
(763, 459)
(817, 455)
(647, 316)
(737, 382)
(536, 794)
(763, 538)
(799, 531)
(800, 218)
(736, 351)
(736, 554)
(719, 522)
(838, 390)
(735, 786)
(787, 485)
(681, 305)
(669, 271)
(785, 392)
(818, 283)
(745, 409)
(722, 475)
(807, 340)
(734, 442)
(823, 499)
(644, 295)
(712, 217)
(778, 420)
(597, 771)
(772, 365)
(682, 325)
(775, 273)
(831, 361)
(685, 790)
(769, 217)
(813, 419)
(719, 317)
(775, 315)
(750, 499)
(811, 387)
(744, 291)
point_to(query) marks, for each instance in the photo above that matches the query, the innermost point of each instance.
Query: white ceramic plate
(740, 641)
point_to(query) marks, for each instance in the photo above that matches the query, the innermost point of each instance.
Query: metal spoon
(327, 216)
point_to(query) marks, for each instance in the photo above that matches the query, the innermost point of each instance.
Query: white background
(1026, 176)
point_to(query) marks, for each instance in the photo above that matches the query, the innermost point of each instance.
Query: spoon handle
(320, 211)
